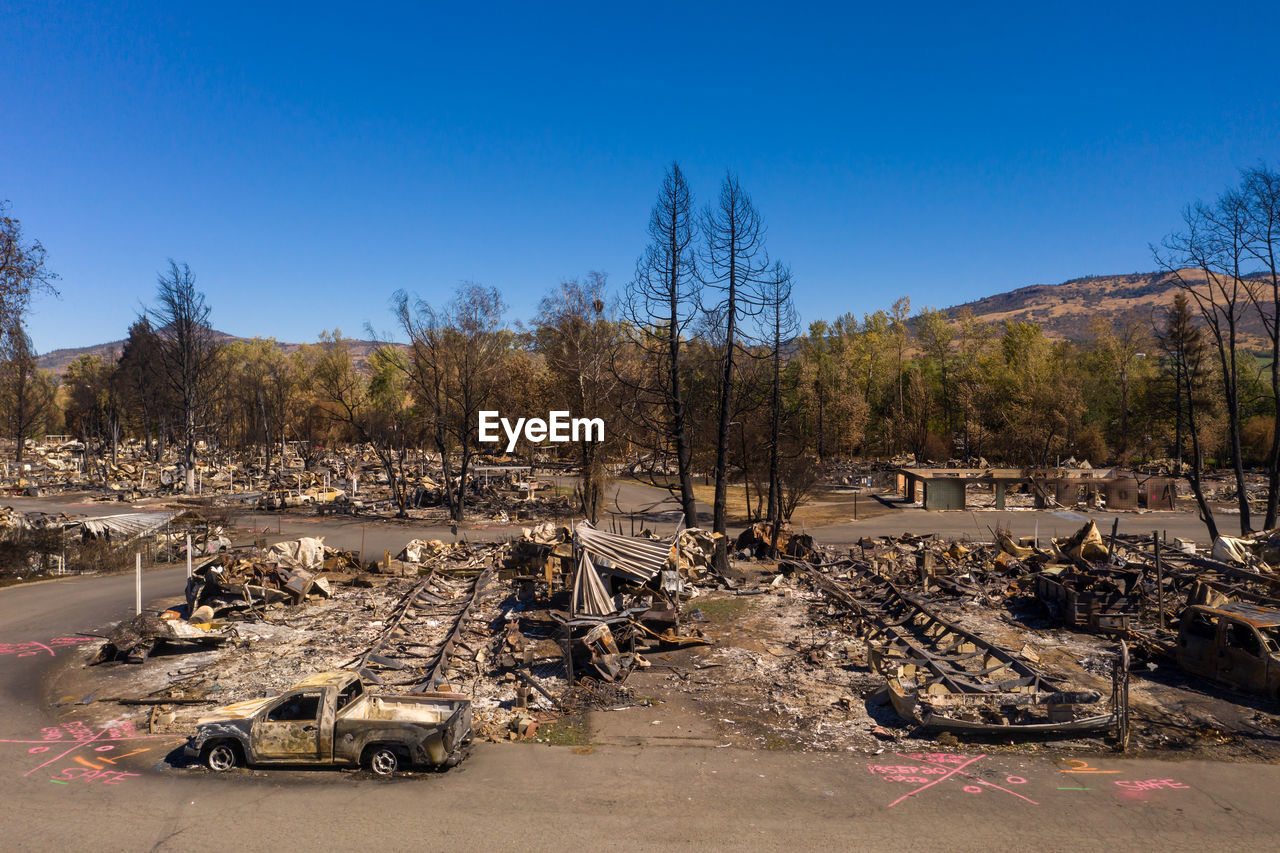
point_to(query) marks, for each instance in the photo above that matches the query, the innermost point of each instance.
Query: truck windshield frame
(297, 708)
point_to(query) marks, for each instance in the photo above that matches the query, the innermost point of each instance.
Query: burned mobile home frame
(1092, 598)
(945, 678)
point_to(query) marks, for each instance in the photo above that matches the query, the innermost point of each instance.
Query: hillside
(1066, 310)
(58, 360)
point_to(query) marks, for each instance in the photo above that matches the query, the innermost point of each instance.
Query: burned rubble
(943, 677)
(1085, 641)
(301, 476)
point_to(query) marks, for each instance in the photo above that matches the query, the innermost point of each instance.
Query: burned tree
(143, 385)
(22, 273)
(1183, 346)
(898, 317)
(370, 406)
(733, 263)
(187, 355)
(1260, 198)
(782, 326)
(1212, 245)
(265, 390)
(26, 396)
(660, 304)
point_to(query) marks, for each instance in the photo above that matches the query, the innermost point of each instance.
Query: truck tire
(382, 760)
(221, 756)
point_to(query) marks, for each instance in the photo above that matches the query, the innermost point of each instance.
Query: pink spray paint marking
(75, 735)
(88, 774)
(33, 647)
(931, 769)
(1139, 785)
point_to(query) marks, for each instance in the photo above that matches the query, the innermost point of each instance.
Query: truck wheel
(383, 760)
(221, 756)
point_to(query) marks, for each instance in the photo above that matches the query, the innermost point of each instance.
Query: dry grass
(827, 505)
(1065, 310)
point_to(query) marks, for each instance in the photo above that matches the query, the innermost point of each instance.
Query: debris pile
(691, 554)
(1100, 599)
(1260, 551)
(285, 573)
(13, 521)
(133, 640)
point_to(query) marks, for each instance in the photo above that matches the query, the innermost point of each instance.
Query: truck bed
(430, 725)
(402, 708)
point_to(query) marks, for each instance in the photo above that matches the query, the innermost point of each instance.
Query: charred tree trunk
(735, 259)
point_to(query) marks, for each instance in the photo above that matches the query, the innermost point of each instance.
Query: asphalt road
(650, 506)
(63, 792)
(655, 508)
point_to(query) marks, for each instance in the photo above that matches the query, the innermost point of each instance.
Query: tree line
(700, 369)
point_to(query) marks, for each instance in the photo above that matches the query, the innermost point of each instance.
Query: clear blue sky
(309, 160)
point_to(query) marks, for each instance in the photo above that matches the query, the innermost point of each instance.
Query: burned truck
(1237, 644)
(330, 719)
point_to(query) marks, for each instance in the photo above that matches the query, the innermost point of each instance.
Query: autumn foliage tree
(455, 369)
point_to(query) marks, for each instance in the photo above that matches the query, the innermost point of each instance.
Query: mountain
(1063, 310)
(1066, 310)
(59, 359)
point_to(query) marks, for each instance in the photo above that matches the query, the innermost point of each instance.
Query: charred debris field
(581, 635)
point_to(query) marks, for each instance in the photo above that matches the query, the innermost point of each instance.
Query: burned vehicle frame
(1237, 644)
(1104, 600)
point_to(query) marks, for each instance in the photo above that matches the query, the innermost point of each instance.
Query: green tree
(26, 392)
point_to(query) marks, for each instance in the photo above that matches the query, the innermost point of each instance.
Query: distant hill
(1066, 310)
(1063, 310)
(58, 360)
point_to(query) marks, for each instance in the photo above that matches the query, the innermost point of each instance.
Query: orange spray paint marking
(118, 757)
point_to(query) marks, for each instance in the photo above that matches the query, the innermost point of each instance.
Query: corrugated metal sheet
(638, 559)
(590, 595)
(129, 524)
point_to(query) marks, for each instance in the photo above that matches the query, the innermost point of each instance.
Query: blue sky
(310, 159)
